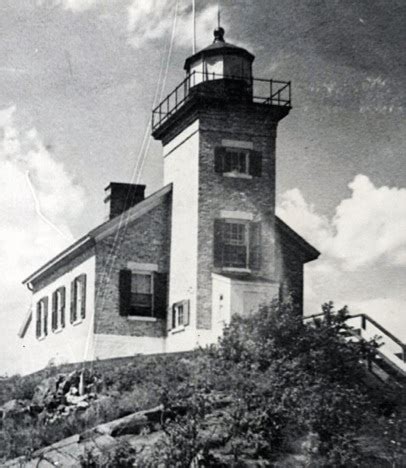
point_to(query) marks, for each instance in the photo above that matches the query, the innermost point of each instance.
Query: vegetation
(273, 392)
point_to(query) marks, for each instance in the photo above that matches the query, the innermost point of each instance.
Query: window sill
(41, 338)
(58, 330)
(237, 270)
(178, 330)
(140, 318)
(77, 322)
(237, 175)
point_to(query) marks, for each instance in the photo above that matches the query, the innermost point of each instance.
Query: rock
(42, 391)
(14, 407)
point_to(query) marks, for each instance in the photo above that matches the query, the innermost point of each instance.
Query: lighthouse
(218, 131)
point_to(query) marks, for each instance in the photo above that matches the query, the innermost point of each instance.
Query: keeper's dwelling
(165, 272)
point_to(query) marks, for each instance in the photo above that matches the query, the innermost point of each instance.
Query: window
(180, 315)
(237, 244)
(78, 299)
(141, 295)
(42, 318)
(58, 309)
(238, 161)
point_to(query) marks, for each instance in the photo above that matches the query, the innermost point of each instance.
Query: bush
(287, 381)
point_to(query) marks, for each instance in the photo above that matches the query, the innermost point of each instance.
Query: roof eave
(311, 253)
(100, 232)
(72, 249)
(219, 51)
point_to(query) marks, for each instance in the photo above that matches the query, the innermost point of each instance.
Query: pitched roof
(289, 235)
(102, 231)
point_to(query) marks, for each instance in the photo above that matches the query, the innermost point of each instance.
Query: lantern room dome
(221, 59)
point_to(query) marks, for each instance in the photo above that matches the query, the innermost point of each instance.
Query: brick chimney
(120, 197)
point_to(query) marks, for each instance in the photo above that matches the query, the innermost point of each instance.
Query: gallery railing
(263, 91)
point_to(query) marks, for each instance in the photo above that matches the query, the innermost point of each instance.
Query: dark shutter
(54, 318)
(38, 322)
(160, 294)
(125, 292)
(255, 164)
(186, 313)
(63, 306)
(173, 318)
(219, 155)
(45, 315)
(82, 279)
(73, 301)
(218, 242)
(255, 246)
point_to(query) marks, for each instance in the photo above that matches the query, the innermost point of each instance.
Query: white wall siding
(74, 343)
(181, 167)
(111, 346)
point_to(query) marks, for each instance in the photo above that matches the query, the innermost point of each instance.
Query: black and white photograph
(203, 233)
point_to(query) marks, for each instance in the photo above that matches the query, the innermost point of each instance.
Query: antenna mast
(194, 25)
(218, 14)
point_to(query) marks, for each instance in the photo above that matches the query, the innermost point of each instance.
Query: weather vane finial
(219, 31)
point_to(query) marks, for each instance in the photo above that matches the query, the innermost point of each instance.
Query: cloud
(30, 176)
(363, 250)
(368, 228)
(153, 20)
(72, 5)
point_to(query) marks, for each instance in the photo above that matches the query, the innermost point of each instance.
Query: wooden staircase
(387, 362)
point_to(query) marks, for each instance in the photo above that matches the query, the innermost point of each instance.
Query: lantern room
(220, 60)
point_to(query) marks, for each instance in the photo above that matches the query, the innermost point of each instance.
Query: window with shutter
(61, 313)
(38, 328)
(73, 312)
(78, 299)
(58, 309)
(82, 281)
(181, 314)
(237, 161)
(54, 318)
(237, 244)
(141, 295)
(41, 329)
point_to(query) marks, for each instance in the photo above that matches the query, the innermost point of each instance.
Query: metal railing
(263, 91)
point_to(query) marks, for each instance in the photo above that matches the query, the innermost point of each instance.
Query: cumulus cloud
(152, 20)
(367, 228)
(363, 243)
(39, 200)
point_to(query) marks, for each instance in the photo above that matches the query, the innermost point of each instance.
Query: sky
(78, 81)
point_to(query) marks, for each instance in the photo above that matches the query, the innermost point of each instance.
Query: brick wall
(146, 240)
(216, 192)
(289, 265)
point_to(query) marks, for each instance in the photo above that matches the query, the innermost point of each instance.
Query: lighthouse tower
(218, 131)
